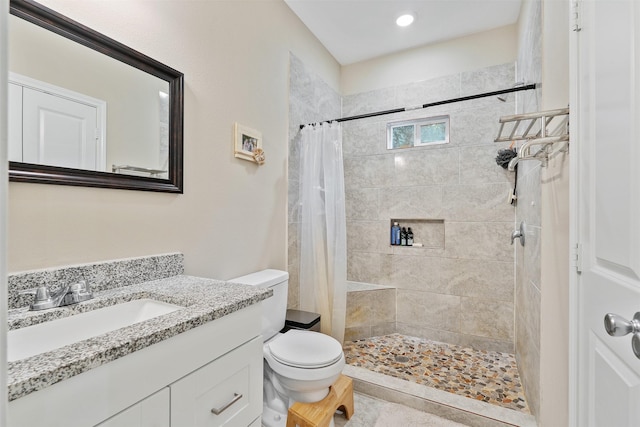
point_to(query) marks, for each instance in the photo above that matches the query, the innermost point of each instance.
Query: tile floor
(372, 412)
(486, 376)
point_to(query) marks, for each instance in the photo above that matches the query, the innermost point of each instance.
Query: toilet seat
(321, 368)
(305, 349)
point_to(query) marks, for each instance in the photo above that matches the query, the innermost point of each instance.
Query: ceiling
(357, 30)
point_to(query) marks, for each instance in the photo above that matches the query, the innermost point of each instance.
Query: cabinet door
(150, 412)
(226, 392)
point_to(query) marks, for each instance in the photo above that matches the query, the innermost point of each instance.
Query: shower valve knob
(519, 234)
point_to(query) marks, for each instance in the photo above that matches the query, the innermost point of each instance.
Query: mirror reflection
(74, 107)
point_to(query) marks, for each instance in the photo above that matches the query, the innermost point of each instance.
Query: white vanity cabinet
(228, 391)
(151, 412)
(175, 382)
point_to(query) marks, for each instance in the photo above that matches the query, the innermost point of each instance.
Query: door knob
(618, 326)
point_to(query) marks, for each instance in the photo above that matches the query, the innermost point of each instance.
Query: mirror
(109, 115)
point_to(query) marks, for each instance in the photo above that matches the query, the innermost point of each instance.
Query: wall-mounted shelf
(428, 232)
(154, 173)
(547, 129)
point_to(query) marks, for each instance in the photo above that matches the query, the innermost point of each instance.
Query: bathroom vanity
(199, 364)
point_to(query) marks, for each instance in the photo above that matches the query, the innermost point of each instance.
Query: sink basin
(47, 336)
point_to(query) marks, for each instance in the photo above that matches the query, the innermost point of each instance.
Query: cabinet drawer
(151, 412)
(231, 386)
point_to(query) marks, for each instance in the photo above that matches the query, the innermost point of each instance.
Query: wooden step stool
(319, 414)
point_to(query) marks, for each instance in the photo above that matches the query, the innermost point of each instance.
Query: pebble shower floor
(488, 376)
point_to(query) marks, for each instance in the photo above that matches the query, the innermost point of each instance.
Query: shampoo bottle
(395, 234)
(403, 237)
(409, 237)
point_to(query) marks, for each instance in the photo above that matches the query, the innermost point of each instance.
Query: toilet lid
(305, 349)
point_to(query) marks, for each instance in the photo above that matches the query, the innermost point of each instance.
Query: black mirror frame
(60, 24)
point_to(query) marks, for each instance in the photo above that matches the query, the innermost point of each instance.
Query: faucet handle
(519, 234)
(41, 293)
(78, 292)
(77, 287)
(82, 286)
(85, 285)
(43, 298)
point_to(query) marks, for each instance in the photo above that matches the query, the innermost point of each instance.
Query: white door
(608, 209)
(58, 131)
(15, 122)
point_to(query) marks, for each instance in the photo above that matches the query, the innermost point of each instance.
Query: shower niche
(428, 233)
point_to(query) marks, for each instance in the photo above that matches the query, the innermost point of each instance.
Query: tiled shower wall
(528, 284)
(458, 288)
(310, 100)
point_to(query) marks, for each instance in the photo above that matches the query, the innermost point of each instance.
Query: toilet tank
(274, 309)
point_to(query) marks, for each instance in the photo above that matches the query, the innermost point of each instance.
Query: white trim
(99, 104)
(574, 218)
(4, 187)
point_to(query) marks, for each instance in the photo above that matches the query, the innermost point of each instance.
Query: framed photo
(246, 141)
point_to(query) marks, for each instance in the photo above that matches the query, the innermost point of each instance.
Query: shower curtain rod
(431, 104)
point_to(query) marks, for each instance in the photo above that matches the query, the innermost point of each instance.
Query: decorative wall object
(248, 144)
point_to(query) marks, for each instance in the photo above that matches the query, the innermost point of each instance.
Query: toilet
(299, 366)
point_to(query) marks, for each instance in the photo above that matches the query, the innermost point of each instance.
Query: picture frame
(246, 140)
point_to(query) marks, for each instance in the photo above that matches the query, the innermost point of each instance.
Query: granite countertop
(204, 300)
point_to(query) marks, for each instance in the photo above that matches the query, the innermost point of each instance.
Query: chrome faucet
(66, 295)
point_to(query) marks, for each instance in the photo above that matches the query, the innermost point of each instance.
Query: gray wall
(459, 288)
(310, 100)
(528, 284)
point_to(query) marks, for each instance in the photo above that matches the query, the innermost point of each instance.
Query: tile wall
(458, 288)
(310, 100)
(528, 284)
(371, 312)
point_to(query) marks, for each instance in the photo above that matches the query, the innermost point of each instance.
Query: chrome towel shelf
(547, 129)
(154, 173)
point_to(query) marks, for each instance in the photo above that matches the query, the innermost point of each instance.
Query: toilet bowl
(305, 363)
(299, 366)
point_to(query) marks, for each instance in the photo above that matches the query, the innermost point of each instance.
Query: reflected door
(15, 123)
(58, 131)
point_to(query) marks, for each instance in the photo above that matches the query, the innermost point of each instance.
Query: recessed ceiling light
(405, 20)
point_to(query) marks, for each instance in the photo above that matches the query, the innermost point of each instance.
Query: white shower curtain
(323, 239)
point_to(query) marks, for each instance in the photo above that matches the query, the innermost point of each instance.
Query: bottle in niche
(409, 237)
(395, 234)
(403, 237)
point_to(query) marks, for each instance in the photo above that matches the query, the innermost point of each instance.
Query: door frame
(574, 217)
(4, 189)
(99, 104)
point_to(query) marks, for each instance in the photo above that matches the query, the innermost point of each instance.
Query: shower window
(417, 133)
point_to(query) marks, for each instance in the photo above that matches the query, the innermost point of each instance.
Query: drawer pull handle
(218, 411)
